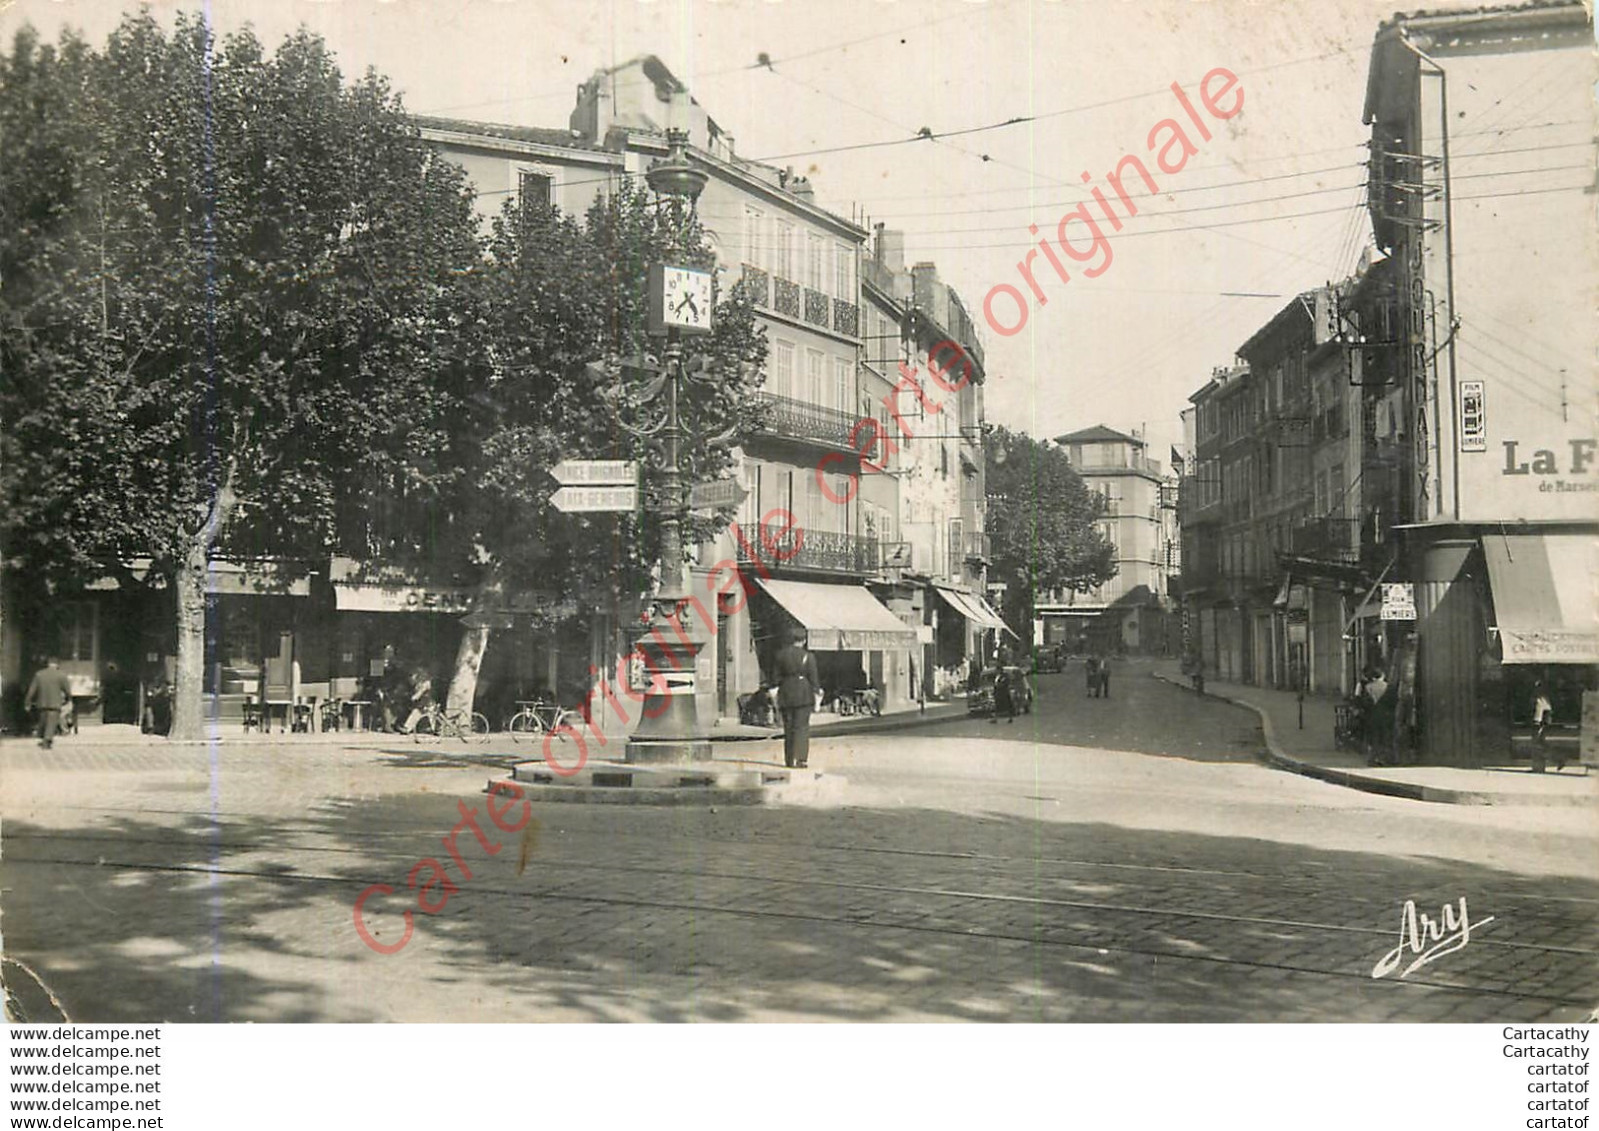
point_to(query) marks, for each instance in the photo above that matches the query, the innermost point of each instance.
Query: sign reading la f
(1543, 459)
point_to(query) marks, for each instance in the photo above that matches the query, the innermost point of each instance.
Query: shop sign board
(1398, 601)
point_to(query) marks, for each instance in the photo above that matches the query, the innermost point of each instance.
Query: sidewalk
(231, 733)
(1310, 750)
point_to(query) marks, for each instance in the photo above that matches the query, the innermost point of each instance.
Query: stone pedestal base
(667, 750)
(696, 783)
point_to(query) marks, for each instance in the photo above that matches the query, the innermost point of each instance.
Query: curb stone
(1351, 779)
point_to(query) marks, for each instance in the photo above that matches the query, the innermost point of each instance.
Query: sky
(1268, 206)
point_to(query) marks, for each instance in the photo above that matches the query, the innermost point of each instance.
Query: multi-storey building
(942, 556)
(803, 266)
(1271, 504)
(1482, 193)
(1131, 611)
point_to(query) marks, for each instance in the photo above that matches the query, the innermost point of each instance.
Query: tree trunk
(474, 642)
(189, 585)
(468, 661)
(188, 704)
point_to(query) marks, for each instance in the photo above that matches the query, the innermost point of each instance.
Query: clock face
(686, 299)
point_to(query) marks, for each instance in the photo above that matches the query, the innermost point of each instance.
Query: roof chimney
(890, 250)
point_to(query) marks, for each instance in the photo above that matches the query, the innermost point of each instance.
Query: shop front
(858, 642)
(982, 627)
(388, 631)
(1545, 631)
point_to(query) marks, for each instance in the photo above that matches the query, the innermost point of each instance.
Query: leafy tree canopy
(1041, 524)
(234, 285)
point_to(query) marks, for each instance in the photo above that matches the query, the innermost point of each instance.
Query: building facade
(893, 536)
(1133, 611)
(1476, 198)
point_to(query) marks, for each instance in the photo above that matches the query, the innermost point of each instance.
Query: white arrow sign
(717, 493)
(585, 500)
(596, 472)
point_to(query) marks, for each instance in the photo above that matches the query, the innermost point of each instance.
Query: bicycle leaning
(436, 722)
(536, 718)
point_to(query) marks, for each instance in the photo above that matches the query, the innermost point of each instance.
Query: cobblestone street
(963, 879)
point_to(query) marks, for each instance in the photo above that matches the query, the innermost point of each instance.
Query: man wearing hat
(797, 681)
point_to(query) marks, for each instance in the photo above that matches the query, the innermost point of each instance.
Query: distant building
(1131, 611)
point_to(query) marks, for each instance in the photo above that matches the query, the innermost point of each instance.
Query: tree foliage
(1041, 524)
(566, 302)
(232, 288)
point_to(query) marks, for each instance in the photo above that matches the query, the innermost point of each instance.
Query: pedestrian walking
(49, 692)
(797, 684)
(1004, 696)
(1379, 718)
(1543, 714)
(1104, 677)
(1091, 671)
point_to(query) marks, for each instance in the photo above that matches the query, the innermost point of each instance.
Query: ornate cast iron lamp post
(673, 638)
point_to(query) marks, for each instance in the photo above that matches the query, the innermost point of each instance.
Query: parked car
(981, 700)
(1047, 658)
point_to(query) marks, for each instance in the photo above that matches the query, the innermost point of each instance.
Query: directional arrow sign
(586, 500)
(596, 473)
(717, 493)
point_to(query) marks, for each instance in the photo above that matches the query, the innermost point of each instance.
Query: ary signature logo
(1428, 939)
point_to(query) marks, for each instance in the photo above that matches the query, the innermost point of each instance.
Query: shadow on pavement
(846, 914)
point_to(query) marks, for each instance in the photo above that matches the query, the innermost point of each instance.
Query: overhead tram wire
(1250, 220)
(987, 158)
(1027, 119)
(898, 32)
(1179, 336)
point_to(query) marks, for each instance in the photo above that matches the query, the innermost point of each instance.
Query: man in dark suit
(797, 681)
(49, 692)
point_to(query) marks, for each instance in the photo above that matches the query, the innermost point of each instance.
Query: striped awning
(1543, 593)
(973, 608)
(841, 618)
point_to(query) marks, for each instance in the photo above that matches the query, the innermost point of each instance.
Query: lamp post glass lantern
(672, 638)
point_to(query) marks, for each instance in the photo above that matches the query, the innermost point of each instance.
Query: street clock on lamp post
(680, 299)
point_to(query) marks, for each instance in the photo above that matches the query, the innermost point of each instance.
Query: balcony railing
(758, 283)
(815, 308)
(800, 420)
(846, 317)
(786, 297)
(821, 550)
(1324, 537)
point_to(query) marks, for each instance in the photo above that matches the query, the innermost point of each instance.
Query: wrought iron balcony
(800, 420)
(846, 317)
(820, 550)
(1325, 537)
(816, 308)
(786, 297)
(758, 284)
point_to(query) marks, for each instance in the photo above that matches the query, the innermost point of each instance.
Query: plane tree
(1041, 525)
(236, 285)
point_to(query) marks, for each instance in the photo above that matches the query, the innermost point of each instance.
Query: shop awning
(1543, 590)
(973, 608)
(840, 618)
